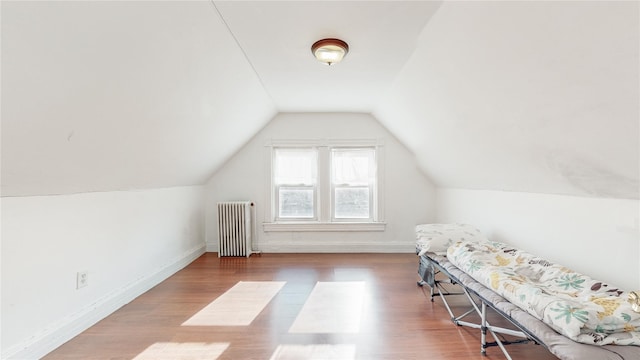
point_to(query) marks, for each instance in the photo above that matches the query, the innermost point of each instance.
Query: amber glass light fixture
(329, 51)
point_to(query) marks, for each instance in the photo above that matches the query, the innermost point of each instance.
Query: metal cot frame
(479, 305)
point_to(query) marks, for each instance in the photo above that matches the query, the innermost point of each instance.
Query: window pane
(353, 166)
(295, 166)
(295, 203)
(352, 203)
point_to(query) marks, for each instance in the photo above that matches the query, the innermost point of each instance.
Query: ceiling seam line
(235, 39)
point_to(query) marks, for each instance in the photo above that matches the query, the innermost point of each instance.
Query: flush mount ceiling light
(329, 51)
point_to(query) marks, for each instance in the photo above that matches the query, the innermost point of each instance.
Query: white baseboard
(338, 248)
(48, 340)
(347, 247)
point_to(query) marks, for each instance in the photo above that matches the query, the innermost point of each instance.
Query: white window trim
(324, 222)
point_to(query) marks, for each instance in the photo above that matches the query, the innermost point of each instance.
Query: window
(295, 179)
(353, 179)
(324, 186)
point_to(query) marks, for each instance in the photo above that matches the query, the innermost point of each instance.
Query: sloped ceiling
(524, 96)
(100, 96)
(518, 96)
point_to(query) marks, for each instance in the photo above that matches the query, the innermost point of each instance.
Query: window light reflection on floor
(182, 351)
(315, 352)
(332, 308)
(239, 306)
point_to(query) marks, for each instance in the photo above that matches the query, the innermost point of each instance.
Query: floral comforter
(583, 309)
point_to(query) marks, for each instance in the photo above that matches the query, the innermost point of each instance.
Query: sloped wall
(408, 194)
(524, 96)
(95, 91)
(126, 241)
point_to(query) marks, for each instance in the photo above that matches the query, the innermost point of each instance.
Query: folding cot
(527, 328)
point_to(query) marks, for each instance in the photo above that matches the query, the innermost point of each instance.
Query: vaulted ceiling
(536, 97)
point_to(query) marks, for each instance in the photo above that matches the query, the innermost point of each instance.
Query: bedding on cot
(573, 304)
(437, 238)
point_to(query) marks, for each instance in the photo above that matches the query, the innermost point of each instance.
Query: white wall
(595, 236)
(528, 96)
(408, 194)
(105, 86)
(127, 241)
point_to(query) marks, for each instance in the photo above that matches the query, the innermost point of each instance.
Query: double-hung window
(295, 183)
(325, 185)
(353, 184)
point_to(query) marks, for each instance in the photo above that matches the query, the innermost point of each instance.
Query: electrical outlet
(82, 279)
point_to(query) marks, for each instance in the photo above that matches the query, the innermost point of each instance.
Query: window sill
(316, 226)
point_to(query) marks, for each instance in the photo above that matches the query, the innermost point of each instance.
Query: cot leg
(483, 327)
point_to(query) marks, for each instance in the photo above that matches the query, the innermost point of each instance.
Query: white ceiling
(101, 96)
(519, 96)
(277, 39)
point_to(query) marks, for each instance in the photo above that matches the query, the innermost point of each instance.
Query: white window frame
(324, 220)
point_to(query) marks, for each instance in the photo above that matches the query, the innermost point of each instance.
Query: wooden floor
(398, 321)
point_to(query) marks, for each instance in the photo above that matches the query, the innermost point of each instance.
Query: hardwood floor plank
(397, 322)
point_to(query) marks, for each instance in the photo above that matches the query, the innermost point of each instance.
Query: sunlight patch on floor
(332, 307)
(239, 306)
(315, 352)
(352, 274)
(182, 351)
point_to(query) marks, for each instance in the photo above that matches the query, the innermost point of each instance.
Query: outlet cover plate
(82, 279)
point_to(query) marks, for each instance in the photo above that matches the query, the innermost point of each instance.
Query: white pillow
(438, 237)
